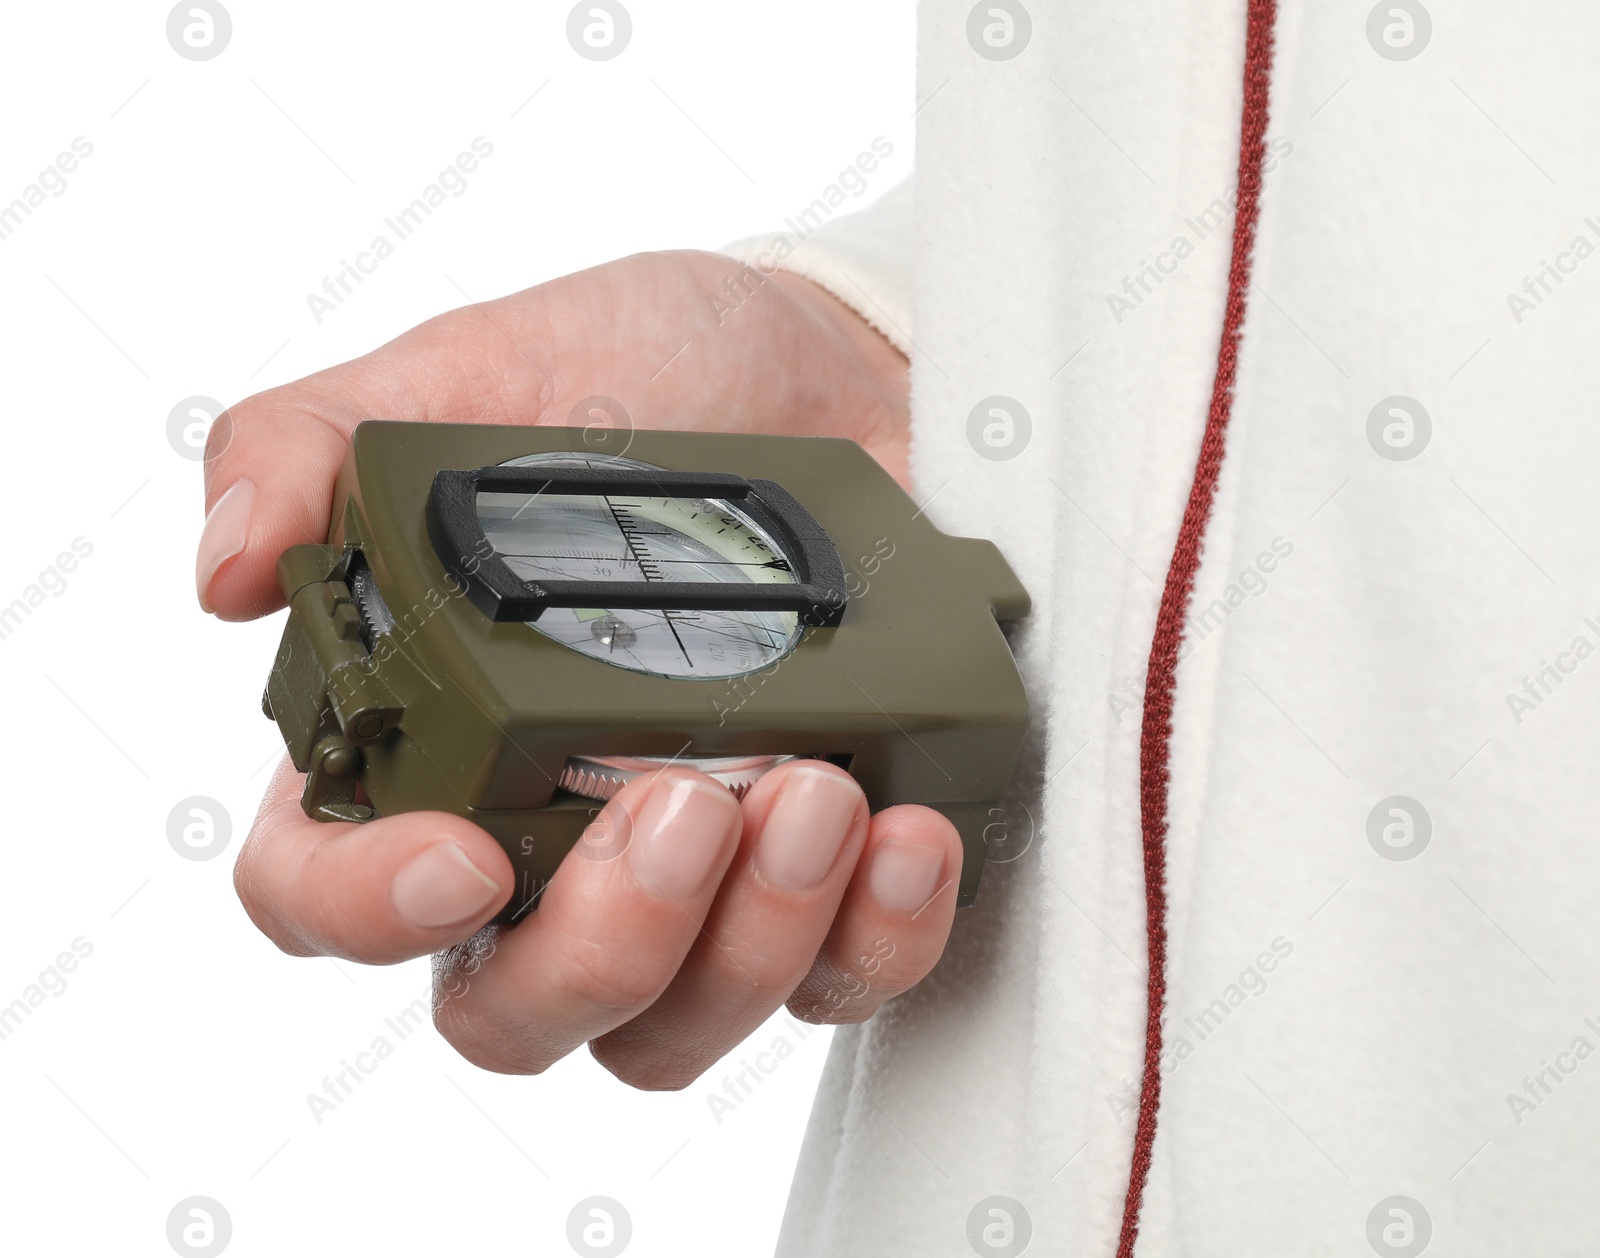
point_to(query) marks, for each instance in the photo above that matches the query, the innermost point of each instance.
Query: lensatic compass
(509, 623)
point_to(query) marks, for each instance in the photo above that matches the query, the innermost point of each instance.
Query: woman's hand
(666, 954)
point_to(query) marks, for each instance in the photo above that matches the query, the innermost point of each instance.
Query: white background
(177, 262)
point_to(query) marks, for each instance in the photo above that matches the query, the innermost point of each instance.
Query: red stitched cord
(1156, 734)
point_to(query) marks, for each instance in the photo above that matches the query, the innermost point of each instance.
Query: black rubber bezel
(817, 592)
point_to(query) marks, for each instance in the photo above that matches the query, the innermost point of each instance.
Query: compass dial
(601, 777)
(634, 537)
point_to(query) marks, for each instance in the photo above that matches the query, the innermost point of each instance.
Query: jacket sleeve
(863, 259)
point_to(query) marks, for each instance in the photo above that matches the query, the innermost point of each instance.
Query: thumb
(271, 460)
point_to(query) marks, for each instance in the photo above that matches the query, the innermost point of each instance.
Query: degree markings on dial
(778, 564)
(619, 514)
(621, 511)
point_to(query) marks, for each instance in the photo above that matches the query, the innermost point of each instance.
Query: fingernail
(226, 531)
(682, 834)
(905, 876)
(806, 828)
(441, 886)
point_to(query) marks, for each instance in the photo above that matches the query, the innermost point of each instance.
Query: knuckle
(645, 1071)
(806, 1011)
(497, 1058)
(832, 994)
(821, 1013)
(501, 1045)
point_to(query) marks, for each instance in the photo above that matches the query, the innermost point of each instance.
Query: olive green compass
(510, 623)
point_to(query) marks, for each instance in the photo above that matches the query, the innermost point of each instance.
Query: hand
(714, 913)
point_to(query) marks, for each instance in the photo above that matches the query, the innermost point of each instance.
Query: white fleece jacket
(1384, 882)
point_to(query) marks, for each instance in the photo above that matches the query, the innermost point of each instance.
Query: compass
(511, 623)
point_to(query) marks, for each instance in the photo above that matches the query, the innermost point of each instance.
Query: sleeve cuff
(863, 259)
